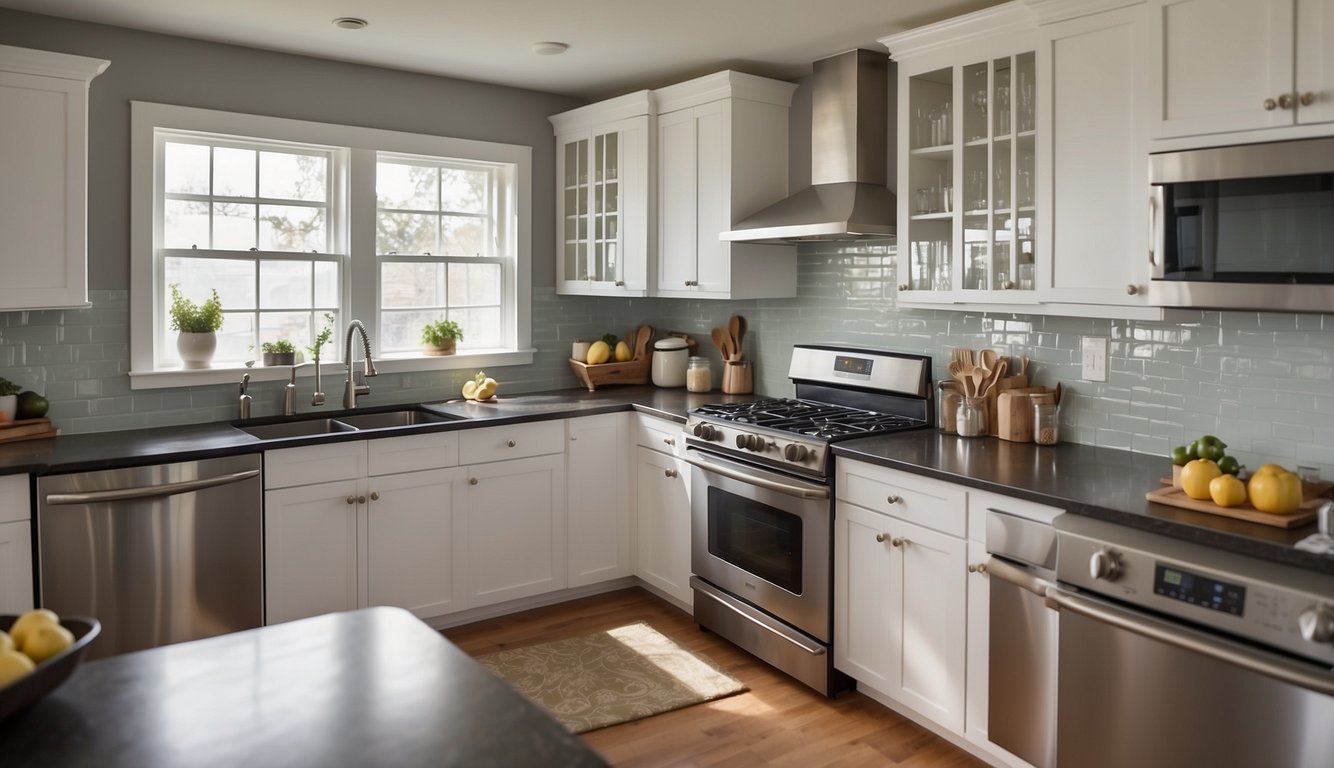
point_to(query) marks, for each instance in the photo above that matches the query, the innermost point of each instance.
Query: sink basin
(390, 419)
(303, 428)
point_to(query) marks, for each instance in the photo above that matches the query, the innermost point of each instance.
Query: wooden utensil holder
(738, 377)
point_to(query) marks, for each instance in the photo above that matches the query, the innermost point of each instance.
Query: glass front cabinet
(602, 197)
(968, 189)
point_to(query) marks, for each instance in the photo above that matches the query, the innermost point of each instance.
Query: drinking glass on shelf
(1002, 186)
(1024, 181)
(977, 190)
(1025, 101)
(943, 123)
(947, 199)
(921, 124)
(1026, 277)
(933, 118)
(942, 266)
(922, 200)
(1002, 110)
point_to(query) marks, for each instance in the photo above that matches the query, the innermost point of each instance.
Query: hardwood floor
(778, 722)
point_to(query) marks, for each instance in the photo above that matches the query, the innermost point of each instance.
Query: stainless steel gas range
(762, 500)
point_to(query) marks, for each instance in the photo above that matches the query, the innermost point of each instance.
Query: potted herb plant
(321, 338)
(198, 325)
(441, 337)
(9, 400)
(280, 352)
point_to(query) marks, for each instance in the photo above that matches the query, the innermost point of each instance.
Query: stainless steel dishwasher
(159, 554)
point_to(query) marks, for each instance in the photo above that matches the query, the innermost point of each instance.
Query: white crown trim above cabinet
(44, 198)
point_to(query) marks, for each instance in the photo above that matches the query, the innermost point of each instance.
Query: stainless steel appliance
(762, 511)
(1244, 227)
(1176, 654)
(1022, 642)
(158, 554)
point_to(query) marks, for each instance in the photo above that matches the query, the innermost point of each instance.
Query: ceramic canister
(669, 362)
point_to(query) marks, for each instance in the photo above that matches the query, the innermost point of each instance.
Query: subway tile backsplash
(1264, 382)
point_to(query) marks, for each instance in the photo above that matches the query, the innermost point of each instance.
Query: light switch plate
(1094, 359)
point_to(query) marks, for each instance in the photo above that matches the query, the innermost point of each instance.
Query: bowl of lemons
(38, 651)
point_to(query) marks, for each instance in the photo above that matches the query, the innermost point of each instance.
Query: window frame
(355, 191)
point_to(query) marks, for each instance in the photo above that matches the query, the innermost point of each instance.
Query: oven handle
(1217, 649)
(800, 491)
(811, 648)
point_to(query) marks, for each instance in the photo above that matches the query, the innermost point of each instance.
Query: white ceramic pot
(669, 362)
(196, 349)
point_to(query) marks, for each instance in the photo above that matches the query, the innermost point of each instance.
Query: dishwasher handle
(150, 491)
(1216, 648)
(1000, 569)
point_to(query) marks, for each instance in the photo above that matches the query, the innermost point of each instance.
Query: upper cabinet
(722, 155)
(44, 196)
(1240, 65)
(604, 241)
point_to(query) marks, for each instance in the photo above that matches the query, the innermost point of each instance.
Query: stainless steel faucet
(243, 404)
(351, 389)
(289, 391)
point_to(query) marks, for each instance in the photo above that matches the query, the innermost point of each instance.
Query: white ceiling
(615, 45)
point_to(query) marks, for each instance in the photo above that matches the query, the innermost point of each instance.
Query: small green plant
(441, 332)
(279, 347)
(8, 387)
(188, 317)
(322, 338)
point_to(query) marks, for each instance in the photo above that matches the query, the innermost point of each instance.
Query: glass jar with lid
(699, 375)
(971, 417)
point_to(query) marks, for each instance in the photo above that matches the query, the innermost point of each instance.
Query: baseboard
(528, 603)
(972, 748)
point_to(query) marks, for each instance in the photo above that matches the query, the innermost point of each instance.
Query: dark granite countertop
(1098, 482)
(370, 687)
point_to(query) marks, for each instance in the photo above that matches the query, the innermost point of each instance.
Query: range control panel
(1198, 589)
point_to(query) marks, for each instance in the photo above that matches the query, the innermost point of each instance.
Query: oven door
(1137, 690)
(765, 537)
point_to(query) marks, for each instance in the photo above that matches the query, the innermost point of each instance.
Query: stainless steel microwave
(1244, 227)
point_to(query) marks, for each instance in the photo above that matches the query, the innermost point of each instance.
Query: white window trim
(362, 265)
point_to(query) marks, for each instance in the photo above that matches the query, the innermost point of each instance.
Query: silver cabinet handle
(1285, 101)
(1307, 99)
(671, 473)
(880, 537)
(361, 499)
(669, 440)
(892, 499)
(351, 499)
(472, 481)
(375, 495)
(1270, 105)
(977, 568)
(620, 283)
(1209, 646)
(150, 491)
(1008, 285)
(903, 286)
(897, 542)
(1131, 289)
(510, 443)
(1153, 224)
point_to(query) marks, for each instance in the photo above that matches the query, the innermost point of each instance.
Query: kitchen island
(369, 687)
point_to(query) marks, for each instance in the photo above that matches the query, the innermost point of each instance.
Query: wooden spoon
(980, 375)
(987, 359)
(720, 341)
(736, 328)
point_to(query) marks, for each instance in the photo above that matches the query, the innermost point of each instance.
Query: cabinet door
(1315, 61)
(597, 527)
(713, 136)
(676, 201)
(572, 218)
(865, 618)
(514, 529)
(15, 567)
(979, 594)
(662, 492)
(1095, 237)
(1220, 60)
(928, 599)
(411, 541)
(310, 550)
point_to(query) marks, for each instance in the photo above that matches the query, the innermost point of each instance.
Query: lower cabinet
(598, 504)
(310, 550)
(513, 529)
(662, 509)
(412, 543)
(15, 545)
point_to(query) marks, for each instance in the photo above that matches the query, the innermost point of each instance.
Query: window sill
(479, 358)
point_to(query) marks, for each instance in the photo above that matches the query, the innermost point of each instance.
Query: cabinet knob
(903, 286)
(351, 499)
(669, 440)
(510, 443)
(472, 481)
(1007, 285)
(1270, 105)
(671, 473)
(892, 499)
(977, 568)
(361, 499)
(897, 542)
(880, 537)
(1285, 101)
(1307, 99)
(375, 495)
(620, 283)
(1132, 289)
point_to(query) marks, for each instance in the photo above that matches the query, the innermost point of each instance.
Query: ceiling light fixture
(348, 22)
(550, 48)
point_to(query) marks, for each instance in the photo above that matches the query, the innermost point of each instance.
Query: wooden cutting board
(27, 429)
(1176, 497)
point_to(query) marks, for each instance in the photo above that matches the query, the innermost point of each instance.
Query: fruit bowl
(49, 675)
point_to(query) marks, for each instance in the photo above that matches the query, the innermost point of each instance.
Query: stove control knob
(705, 431)
(795, 452)
(1317, 624)
(1105, 564)
(754, 443)
(741, 440)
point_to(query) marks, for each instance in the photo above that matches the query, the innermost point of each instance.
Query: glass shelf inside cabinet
(931, 105)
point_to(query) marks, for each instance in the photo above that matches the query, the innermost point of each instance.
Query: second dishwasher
(158, 554)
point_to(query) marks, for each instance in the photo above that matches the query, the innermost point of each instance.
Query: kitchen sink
(389, 419)
(303, 428)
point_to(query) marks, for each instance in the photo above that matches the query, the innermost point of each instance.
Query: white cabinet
(604, 244)
(1093, 239)
(310, 550)
(662, 510)
(721, 156)
(978, 645)
(15, 545)
(412, 543)
(43, 200)
(1240, 65)
(900, 589)
(513, 518)
(597, 527)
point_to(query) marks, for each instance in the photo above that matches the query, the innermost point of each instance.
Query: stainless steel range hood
(848, 198)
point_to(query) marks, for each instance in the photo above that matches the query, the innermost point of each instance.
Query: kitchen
(1260, 379)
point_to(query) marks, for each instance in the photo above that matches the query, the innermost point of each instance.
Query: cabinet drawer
(660, 435)
(288, 467)
(14, 501)
(980, 501)
(929, 503)
(517, 441)
(391, 455)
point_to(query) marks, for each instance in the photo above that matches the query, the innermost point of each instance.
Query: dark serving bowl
(48, 676)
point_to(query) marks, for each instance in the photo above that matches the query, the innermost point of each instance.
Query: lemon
(14, 665)
(487, 389)
(622, 353)
(1227, 491)
(6, 642)
(469, 390)
(1196, 476)
(1278, 492)
(46, 641)
(599, 353)
(1268, 469)
(30, 621)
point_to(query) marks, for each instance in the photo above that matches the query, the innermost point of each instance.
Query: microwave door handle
(1155, 200)
(1215, 648)
(151, 491)
(800, 491)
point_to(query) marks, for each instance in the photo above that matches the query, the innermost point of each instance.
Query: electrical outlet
(1094, 359)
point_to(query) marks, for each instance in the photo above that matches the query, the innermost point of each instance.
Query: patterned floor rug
(611, 677)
